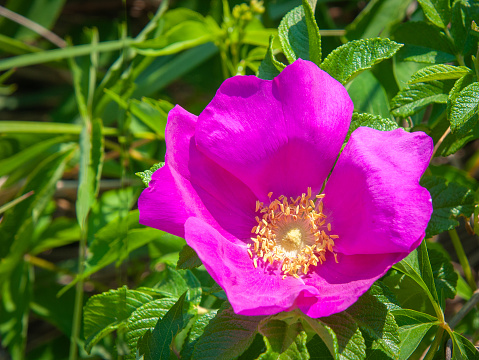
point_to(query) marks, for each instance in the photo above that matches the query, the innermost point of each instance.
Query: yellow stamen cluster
(292, 233)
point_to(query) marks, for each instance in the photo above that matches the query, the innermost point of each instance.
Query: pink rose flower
(248, 184)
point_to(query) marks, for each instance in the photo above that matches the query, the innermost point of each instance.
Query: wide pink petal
(373, 197)
(190, 184)
(340, 284)
(282, 135)
(250, 290)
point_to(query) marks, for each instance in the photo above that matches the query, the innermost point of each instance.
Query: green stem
(77, 311)
(462, 258)
(435, 345)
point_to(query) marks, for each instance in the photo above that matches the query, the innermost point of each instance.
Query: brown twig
(35, 27)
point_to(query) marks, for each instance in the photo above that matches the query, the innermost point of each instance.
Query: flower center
(293, 233)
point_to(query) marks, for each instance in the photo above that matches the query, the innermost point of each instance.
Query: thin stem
(468, 306)
(40, 30)
(439, 142)
(449, 349)
(435, 345)
(77, 311)
(462, 258)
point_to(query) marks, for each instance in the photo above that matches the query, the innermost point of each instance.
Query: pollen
(292, 234)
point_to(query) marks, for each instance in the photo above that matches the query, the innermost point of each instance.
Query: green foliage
(299, 35)
(227, 335)
(84, 117)
(449, 201)
(464, 109)
(188, 258)
(356, 56)
(145, 176)
(372, 121)
(155, 344)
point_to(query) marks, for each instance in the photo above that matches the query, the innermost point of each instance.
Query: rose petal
(340, 284)
(373, 197)
(250, 290)
(190, 184)
(282, 135)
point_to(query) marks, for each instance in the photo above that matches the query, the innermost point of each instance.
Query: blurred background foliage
(83, 106)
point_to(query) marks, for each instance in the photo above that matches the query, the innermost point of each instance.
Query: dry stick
(40, 30)
(439, 142)
(472, 302)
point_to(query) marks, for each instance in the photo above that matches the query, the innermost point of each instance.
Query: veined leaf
(448, 201)
(188, 258)
(437, 11)
(445, 278)
(377, 325)
(227, 335)
(439, 72)
(413, 326)
(463, 349)
(144, 318)
(433, 46)
(109, 311)
(464, 12)
(145, 176)
(155, 344)
(196, 331)
(372, 121)
(414, 97)
(299, 35)
(417, 266)
(283, 342)
(270, 67)
(350, 59)
(464, 109)
(351, 344)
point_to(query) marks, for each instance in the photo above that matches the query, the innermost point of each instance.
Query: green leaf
(15, 308)
(449, 201)
(413, 326)
(109, 311)
(293, 35)
(313, 32)
(368, 95)
(185, 35)
(445, 278)
(227, 335)
(371, 121)
(437, 11)
(432, 46)
(173, 283)
(188, 258)
(350, 59)
(196, 331)
(145, 176)
(60, 54)
(326, 335)
(464, 12)
(91, 164)
(283, 341)
(463, 349)
(378, 17)
(31, 153)
(415, 97)
(14, 202)
(17, 223)
(464, 109)
(34, 127)
(377, 325)
(144, 318)
(351, 345)
(270, 67)
(153, 113)
(417, 266)
(155, 344)
(439, 72)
